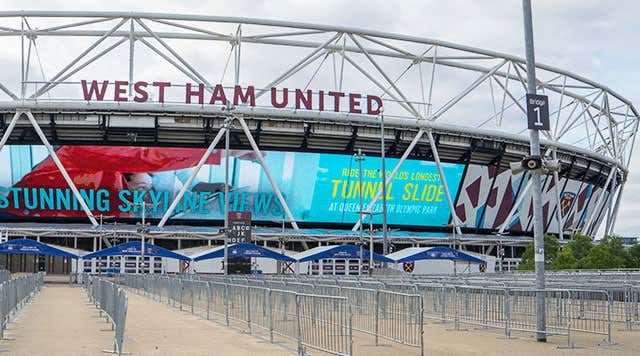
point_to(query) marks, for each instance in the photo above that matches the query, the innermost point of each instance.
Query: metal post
(187, 184)
(370, 242)
(445, 186)
(298, 328)
(61, 168)
(359, 158)
(226, 196)
(538, 234)
(141, 266)
(376, 316)
(385, 243)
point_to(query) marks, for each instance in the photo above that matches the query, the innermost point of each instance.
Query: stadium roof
(432, 253)
(260, 233)
(32, 247)
(133, 248)
(246, 250)
(337, 252)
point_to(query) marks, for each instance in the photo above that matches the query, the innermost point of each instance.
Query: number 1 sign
(538, 112)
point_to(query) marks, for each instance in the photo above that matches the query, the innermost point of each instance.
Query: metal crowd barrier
(4, 275)
(589, 305)
(311, 321)
(111, 299)
(15, 294)
(383, 314)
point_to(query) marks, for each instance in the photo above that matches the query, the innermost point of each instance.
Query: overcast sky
(597, 39)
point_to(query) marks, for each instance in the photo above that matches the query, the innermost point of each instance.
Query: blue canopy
(243, 250)
(32, 247)
(133, 249)
(433, 253)
(337, 251)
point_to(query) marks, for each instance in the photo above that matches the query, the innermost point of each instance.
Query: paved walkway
(156, 329)
(60, 322)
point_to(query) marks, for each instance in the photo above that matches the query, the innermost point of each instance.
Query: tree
(565, 260)
(601, 257)
(551, 247)
(633, 257)
(580, 245)
(614, 243)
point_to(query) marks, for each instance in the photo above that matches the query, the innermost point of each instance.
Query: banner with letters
(119, 181)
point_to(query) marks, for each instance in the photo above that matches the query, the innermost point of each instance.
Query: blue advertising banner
(119, 181)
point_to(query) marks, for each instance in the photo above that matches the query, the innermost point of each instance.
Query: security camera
(552, 165)
(530, 163)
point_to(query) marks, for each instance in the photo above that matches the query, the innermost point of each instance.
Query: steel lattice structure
(442, 101)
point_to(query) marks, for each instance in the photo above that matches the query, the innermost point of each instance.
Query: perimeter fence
(396, 308)
(4, 275)
(15, 294)
(310, 321)
(113, 301)
(589, 304)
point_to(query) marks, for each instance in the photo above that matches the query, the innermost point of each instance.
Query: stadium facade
(111, 118)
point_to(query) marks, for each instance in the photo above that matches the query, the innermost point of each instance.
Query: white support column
(447, 193)
(9, 130)
(63, 171)
(187, 184)
(390, 178)
(515, 207)
(594, 212)
(174, 53)
(274, 185)
(612, 196)
(614, 215)
(466, 91)
(54, 80)
(386, 76)
(315, 54)
(131, 56)
(558, 200)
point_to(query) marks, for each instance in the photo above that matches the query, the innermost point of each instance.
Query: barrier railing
(312, 321)
(4, 275)
(111, 300)
(588, 305)
(375, 311)
(15, 294)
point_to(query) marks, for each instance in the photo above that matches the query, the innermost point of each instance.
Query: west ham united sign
(142, 92)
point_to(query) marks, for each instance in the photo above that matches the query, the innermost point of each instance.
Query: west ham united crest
(566, 202)
(408, 267)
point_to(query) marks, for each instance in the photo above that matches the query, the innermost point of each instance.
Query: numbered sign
(538, 112)
(239, 227)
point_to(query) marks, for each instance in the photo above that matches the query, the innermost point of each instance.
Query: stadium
(150, 158)
(310, 97)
